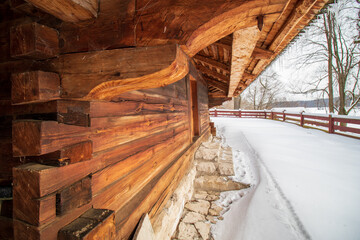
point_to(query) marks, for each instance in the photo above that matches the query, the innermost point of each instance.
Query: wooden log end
(34, 86)
(33, 40)
(93, 224)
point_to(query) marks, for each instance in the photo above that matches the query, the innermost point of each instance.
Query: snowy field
(305, 183)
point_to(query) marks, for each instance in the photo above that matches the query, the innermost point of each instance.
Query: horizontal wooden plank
(152, 197)
(127, 187)
(121, 70)
(33, 138)
(75, 153)
(114, 172)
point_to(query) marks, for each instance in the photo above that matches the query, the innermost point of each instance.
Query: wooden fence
(343, 125)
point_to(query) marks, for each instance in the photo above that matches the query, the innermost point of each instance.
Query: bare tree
(332, 41)
(262, 94)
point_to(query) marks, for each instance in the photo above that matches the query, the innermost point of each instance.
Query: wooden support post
(331, 124)
(93, 224)
(34, 86)
(32, 40)
(244, 41)
(272, 115)
(215, 113)
(284, 116)
(74, 196)
(239, 113)
(302, 119)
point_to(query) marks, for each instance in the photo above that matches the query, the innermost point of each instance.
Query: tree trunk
(329, 35)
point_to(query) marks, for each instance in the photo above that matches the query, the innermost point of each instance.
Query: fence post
(239, 113)
(284, 116)
(331, 124)
(265, 114)
(215, 113)
(302, 119)
(272, 115)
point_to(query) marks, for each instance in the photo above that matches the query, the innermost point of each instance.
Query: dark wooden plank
(74, 196)
(6, 228)
(93, 224)
(33, 40)
(34, 86)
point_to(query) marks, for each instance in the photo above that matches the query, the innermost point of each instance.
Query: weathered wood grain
(69, 10)
(244, 42)
(127, 218)
(49, 231)
(34, 86)
(93, 224)
(33, 40)
(74, 196)
(27, 207)
(33, 138)
(120, 70)
(75, 153)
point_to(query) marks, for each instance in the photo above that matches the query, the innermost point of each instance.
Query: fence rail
(343, 125)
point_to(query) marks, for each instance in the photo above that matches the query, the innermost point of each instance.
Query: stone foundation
(192, 209)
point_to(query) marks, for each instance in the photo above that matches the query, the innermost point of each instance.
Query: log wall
(71, 160)
(136, 141)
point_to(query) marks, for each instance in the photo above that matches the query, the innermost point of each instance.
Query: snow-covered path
(306, 182)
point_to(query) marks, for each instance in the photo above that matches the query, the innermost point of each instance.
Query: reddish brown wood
(48, 231)
(33, 138)
(69, 10)
(36, 211)
(74, 196)
(33, 40)
(34, 86)
(78, 152)
(93, 224)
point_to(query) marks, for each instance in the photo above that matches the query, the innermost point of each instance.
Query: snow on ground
(305, 183)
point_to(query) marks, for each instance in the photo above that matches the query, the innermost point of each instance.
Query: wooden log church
(104, 102)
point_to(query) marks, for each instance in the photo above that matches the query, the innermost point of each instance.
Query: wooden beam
(223, 45)
(34, 86)
(260, 53)
(32, 40)
(68, 10)
(247, 75)
(93, 224)
(219, 85)
(212, 73)
(121, 70)
(74, 196)
(244, 42)
(217, 95)
(213, 62)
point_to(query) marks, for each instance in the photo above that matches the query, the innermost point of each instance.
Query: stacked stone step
(214, 166)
